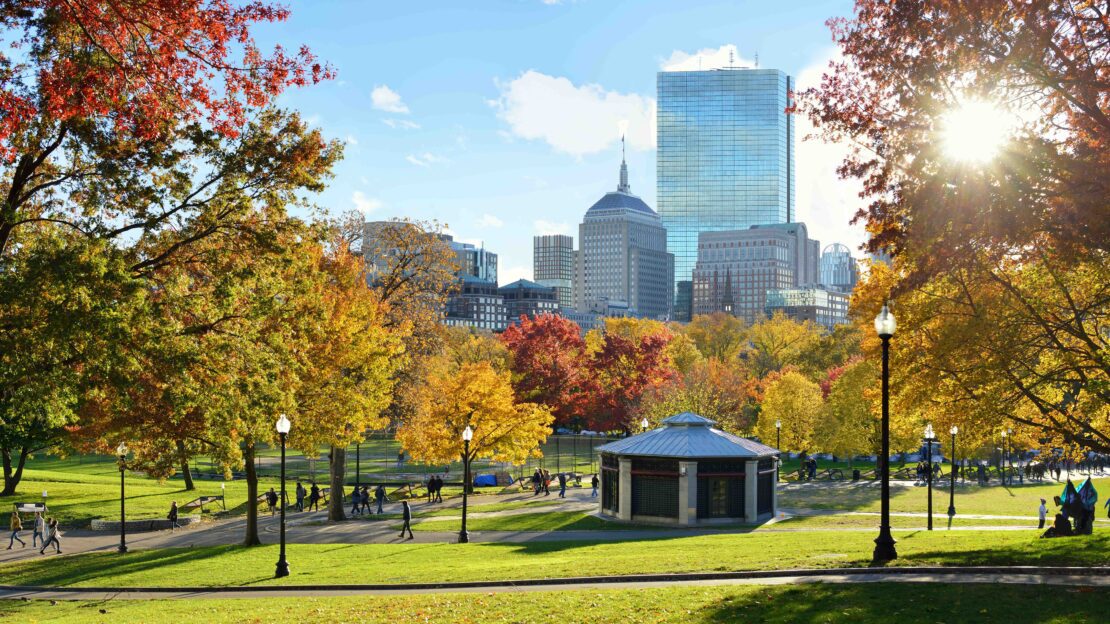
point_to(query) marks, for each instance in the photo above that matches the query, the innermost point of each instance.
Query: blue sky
(502, 118)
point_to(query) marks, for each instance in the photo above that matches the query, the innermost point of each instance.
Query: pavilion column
(775, 492)
(687, 493)
(751, 491)
(625, 489)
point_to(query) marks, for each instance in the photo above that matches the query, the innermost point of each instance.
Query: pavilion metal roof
(688, 435)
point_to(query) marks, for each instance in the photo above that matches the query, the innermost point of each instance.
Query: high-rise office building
(725, 159)
(735, 269)
(527, 298)
(553, 265)
(623, 255)
(838, 268)
(473, 260)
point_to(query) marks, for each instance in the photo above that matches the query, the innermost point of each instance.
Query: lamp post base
(464, 537)
(122, 548)
(951, 511)
(884, 548)
(282, 569)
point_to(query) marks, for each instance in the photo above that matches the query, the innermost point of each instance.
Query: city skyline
(464, 132)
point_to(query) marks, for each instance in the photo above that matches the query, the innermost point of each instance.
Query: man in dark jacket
(562, 485)
(379, 496)
(406, 515)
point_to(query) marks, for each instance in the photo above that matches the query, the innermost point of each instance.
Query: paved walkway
(1099, 579)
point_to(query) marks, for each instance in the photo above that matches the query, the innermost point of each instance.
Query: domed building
(623, 255)
(688, 473)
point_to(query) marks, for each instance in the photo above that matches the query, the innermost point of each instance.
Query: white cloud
(365, 204)
(510, 274)
(404, 124)
(351, 140)
(489, 220)
(545, 227)
(426, 159)
(388, 100)
(826, 204)
(577, 120)
(707, 58)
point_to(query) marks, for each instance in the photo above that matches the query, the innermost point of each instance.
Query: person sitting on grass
(16, 525)
(53, 536)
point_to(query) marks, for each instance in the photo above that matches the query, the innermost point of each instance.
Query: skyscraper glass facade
(725, 157)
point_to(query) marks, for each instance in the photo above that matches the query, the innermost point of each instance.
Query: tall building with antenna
(623, 254)
(725, 159)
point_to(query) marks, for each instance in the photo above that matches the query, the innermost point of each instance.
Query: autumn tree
(474, 395)
(778, 342)
(625, 364)
(849, 423)
(796, 402)
(718, 335)
(715, 390)
(548, 357)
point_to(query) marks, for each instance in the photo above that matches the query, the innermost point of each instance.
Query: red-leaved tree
(620, 374)
(548, 355)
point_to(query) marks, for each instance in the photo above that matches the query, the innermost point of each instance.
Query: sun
(976, 131)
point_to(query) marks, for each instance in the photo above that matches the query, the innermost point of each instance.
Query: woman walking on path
(53, 536)
(37, 530)
(379, 496)
(16, 526)
(172, 517)
(314, 498)
(406, 515)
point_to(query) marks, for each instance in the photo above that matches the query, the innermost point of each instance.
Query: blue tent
(485, 480)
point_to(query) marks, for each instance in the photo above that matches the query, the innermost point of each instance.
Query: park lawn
(408, 562)
(1017, 500)
(862, 603)
(940, 522)
(539, 521)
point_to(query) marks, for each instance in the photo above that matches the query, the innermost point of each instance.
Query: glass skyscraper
(725, 159)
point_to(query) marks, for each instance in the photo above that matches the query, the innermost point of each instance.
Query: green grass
(331, 564)
(1018, 500)
(863, 603)
(541, 521)
(940, 522)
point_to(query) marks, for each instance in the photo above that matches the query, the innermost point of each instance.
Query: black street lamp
(467, 435)
(1003, 458)
(884, 544)
(930, 437)
(121, 450)
(282, 427)
(952, 486)
(778, 434)
(644, 424)
(358, 466)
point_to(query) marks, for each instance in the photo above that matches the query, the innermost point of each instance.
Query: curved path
(1084, 577)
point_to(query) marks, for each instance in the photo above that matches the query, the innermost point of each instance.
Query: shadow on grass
(88, 568)
(891, 602)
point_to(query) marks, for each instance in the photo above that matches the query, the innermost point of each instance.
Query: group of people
(360, 499)
(435, 489)
(314, 495)
(1075, 505)
(808, 469)
(923, 471)
(44, 530)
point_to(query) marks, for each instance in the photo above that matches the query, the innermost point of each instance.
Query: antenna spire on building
(730, 58)
(623, 187)
(757, 60)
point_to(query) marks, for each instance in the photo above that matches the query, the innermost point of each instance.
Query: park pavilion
(688, 473)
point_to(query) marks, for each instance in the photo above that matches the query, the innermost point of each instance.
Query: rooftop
(688, 435)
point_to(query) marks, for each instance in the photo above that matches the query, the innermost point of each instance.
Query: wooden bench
(202, 501)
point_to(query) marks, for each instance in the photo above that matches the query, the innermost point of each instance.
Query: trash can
(855, 474)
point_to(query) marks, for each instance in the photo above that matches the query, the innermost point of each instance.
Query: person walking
(365, 498)
(356, 501)
(562, 485)
(16, 525)
(536, 478)
(379, 496)
(546, 483)
(406, 515)
(1107, 506)
(300, 496)
(1042, 514)
(172, 517)
(53, 536)
(272, 501)
(37, 530)
(439, 489)
(314, 497)
(594, 482)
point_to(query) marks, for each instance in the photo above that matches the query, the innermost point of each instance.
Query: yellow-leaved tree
(850, 424)
(796, 402)
(474, 394)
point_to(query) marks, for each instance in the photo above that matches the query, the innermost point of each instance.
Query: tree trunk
(188, 476)
(338, 469)
(12, 477)
(251, 537)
